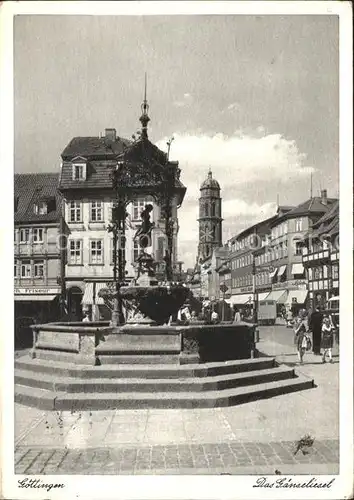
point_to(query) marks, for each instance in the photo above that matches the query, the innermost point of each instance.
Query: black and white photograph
(181, 269)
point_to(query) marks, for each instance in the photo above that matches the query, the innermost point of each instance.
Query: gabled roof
(311, 206)
(94, 147)
(102, 156)
(331, 214)
(29, 189)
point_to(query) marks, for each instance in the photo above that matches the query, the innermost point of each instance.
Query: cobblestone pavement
(191, 458)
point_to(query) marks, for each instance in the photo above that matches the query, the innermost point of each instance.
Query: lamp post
(255, 295)
(118, 228)
(223, 289)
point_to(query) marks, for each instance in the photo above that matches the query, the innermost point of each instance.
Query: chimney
(324, 196)
(111, 134)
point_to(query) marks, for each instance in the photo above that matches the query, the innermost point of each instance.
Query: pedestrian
(301, 338)
(214, 317)
(86, 318)
(327, 339)
(237, 317)
(315, 325)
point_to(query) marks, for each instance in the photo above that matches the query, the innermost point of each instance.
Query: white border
(175, 486)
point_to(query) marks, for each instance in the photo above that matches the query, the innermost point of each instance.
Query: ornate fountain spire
(144, 119)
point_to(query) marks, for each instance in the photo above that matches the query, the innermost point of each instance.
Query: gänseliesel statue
(143, 234)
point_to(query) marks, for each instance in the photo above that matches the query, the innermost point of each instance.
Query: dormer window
(79, 169)
(40, 208)
(15, 203)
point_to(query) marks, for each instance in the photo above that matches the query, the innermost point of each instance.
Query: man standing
(315, 325)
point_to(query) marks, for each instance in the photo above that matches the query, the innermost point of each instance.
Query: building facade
(243, 259)
(321, 258)
(37, 270)
(88, 197)
(288, 232)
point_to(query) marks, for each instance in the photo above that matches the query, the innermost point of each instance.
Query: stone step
(119, 385)
(158, 371)
(145, 358)
(60, 401)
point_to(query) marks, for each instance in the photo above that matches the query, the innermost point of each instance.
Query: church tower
(210, 221)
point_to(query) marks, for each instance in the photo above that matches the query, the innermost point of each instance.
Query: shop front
(34, 305)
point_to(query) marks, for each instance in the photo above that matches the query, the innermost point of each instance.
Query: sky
(253, 98)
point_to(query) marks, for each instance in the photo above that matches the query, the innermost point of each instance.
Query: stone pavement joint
(208, 457)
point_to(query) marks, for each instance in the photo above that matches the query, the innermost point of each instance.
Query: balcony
(315, 257)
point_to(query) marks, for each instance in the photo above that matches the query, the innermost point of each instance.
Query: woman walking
(327, 339)
(300, 338)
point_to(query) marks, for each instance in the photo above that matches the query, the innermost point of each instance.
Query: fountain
(143, 358)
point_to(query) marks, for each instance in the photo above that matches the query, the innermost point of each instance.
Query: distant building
(87, 189)
(37, 211)
(210, 220)
(243, 248)
(210, 238)
(321, 257)
(288, 231)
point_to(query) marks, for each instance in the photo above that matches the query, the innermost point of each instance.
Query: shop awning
(35, 298)
(299, 295)
(273, 273)
(240, 299)
(297, 268)
(282, 270)
(89, 291)
(278, 295)
(263, 296)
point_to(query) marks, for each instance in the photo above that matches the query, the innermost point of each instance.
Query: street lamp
(223, 288)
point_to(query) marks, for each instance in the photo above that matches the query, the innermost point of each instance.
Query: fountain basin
(98, 343)
(158, 303)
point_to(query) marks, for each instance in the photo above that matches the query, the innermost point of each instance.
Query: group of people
(322, 329)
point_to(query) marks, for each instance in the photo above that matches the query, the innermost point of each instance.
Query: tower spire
(144, 119)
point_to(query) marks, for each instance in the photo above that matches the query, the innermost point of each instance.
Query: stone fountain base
(78, 367)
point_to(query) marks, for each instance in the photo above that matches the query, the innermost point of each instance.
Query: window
(15, 203)
(285, 249)
(335, 271)
(96, 252)
(40, 208)
(310, 273)
(15, 270)
(79, 171)
(74, 211)
(286, 227)
(24, 235)
(96, 211)
(25, 269)
(39, 269)
(298, 224)
(75, 252)
(298, 248)
(138, 207)
(318, 273)
(37, 235)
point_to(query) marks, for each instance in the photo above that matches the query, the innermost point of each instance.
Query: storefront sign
(246, 289)
(37, 291)
(291, 285)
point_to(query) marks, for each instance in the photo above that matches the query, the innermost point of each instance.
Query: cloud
(241, 163)
(185, 101)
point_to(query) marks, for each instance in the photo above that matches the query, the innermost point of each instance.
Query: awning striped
(90, 296)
